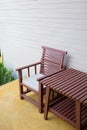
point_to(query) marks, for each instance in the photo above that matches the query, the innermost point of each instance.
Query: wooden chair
(52, 61)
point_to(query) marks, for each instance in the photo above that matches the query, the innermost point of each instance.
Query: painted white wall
(26, 25)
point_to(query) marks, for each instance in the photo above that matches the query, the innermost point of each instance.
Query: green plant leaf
(6, 75)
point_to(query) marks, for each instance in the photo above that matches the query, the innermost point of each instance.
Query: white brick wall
(25, 25)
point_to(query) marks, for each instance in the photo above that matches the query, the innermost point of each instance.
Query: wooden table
(71, 84)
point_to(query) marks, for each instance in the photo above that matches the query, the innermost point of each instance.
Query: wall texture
(26, 25)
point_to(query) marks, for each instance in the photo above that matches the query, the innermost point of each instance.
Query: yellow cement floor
(16, 114)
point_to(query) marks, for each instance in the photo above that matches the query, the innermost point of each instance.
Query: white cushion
(32, 81)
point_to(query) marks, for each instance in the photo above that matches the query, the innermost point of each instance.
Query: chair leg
(21, 91)
(40, 98)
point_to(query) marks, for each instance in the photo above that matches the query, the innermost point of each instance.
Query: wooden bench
(71, 84)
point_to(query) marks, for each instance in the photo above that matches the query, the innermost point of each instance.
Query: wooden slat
(74, 89)
(51, 57)
(79, 92)
(62, 109)
(66, 110)
(69, 83)
(85, 101)
(59, 77)
(83, 98)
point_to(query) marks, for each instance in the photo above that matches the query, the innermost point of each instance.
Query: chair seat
(32, 81)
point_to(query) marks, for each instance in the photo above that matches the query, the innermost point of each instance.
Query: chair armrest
(27, 66)
(46, 76)
(20, 75)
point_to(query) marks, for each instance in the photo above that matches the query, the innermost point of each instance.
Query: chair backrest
(52, 60)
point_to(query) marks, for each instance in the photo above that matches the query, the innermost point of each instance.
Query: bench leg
(46, 102)
(78, 115)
